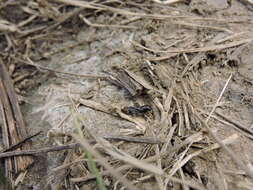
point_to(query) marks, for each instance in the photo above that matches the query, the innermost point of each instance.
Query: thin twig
(38, 151)
(229, 151)
(86, 21)
(90, 76)
(16, 145)
(235, 123)
(147, 140)
(228, 122)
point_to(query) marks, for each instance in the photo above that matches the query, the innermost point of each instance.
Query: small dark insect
(136, 110)
(189, 168)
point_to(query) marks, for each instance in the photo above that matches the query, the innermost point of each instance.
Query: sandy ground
(102, 50)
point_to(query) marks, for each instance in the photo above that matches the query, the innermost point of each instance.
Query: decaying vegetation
(175, 117)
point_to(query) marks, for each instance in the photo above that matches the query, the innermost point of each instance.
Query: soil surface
(194, 50)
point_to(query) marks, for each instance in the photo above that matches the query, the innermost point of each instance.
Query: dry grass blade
(136, 163)
(123, 80)
(245, 185)
(161, 58)
(195, 60)
(106, 172)
(229, 151)
(65, 17)
(169, 137)
(186, 117)
(185, 187)
(6, 26)
(203, 26)
(158, 178)
(66, 166)
(147, 140)
(178, 164)
(169, 153)
(202, 49)
(221, 179)
(38, 151)
(219, 98)
(140, 124)
(167, 2)
(230, 37)
(187, 183)
(235, 123)
(104, 162)
(88, 5)
(237, 160)
(168, 99)
(180, 118)
(194, 138)
(30, 62)
(139, 79)
(25, 22)
(96, 106)
(14, 146)
(229, 140)
(121, 155)
(125, 167)
(96, 6)
(191, 139)
(228, 122)
(86, 21)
